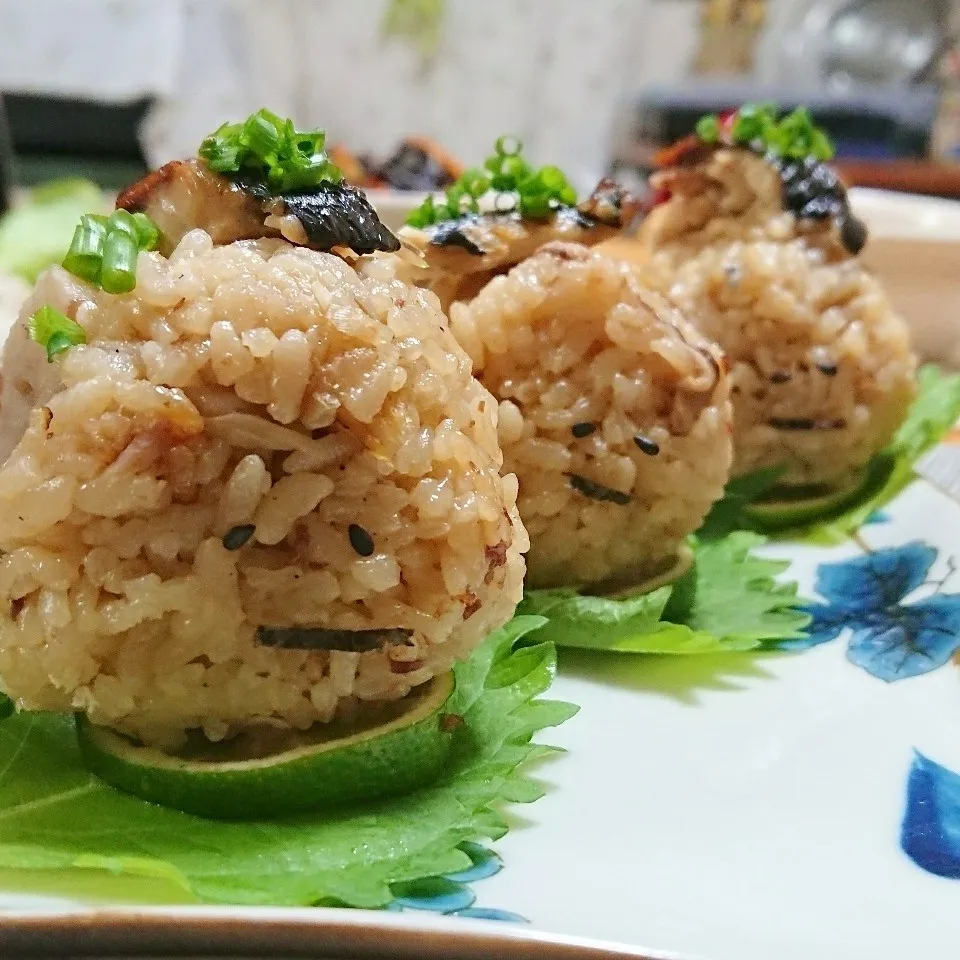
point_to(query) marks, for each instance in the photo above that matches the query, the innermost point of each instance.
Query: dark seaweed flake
(332, 215)
(805, 423)
(853, 234)
(449, 233)
(317, 638)
(338, 215)
(597, 491)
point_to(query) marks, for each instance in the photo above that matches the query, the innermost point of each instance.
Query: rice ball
(613, 413)
(265, 492)
(821, 368)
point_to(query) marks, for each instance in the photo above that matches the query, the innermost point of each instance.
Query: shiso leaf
(739, 598)
(727, 514)
(739, 605)
(932, 415)
(934, 412)
(57, 817)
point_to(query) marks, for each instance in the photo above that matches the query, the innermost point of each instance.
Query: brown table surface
(906, 176)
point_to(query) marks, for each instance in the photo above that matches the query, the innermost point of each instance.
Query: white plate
(744, 807)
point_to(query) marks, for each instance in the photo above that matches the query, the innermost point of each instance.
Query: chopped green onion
(118, 273)
(708, 128)
(534, 206)
(752, 123)
(123, 221)
(515, 185)
(221, 149)
(273, 150)
(794, 136)
(86, 249)
(104, 249)
(261, 134)
(54, 331)
(475, 182)
(553, 178)
(148, 235)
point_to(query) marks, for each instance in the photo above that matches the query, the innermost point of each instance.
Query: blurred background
(104, 88)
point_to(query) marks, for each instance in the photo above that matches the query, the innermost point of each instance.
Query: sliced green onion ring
(508, 146)
(148, 234)
(516, 185)
(118, 273)
(54, 331)
(86, 249)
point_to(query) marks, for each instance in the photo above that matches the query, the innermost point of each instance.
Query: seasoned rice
(821, 367)
(614, 413)
(256, 383)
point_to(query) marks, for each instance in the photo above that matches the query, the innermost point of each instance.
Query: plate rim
(319, 933)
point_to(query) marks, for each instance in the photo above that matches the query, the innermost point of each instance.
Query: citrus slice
(783, 508)
(681, 574)
(269, 773)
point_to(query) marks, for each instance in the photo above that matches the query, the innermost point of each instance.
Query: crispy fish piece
(186, 194)
(460, 256)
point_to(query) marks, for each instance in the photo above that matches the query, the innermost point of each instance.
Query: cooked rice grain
(822, 371)
(569, 337)
(256, 383)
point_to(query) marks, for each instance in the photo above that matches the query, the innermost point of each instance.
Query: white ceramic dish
(746, 807)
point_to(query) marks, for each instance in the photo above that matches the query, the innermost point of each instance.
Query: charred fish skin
(810, 188)
(339, 215)
(609, 204)
(450, 233)
(609, 207)
(185, 194)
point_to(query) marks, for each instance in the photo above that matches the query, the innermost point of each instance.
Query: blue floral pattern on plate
(451, 894)
(889, 637)
(930, 835)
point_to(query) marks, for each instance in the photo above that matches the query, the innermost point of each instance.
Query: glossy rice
(251, 384)
(613, 413)
(821, 367)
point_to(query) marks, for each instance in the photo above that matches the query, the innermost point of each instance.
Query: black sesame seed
(650, 447)
(236, 537)
(780, 376)
(827, 369)
(360, 540)
(580, 430)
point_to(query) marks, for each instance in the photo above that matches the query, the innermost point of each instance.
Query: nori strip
(320, 638)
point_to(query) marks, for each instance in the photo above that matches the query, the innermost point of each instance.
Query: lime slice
(681, 574)
(267, 773)
(783, 507)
